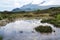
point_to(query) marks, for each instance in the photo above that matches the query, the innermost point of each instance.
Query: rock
(32, 31)
(21, 31)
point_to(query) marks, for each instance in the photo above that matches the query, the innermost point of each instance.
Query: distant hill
(32, 7)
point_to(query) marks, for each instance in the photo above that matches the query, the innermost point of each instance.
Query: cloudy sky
(11, 4)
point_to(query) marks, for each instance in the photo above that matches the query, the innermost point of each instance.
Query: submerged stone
(33, 32)
(21, 31)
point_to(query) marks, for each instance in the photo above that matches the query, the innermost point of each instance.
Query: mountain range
(32, 7)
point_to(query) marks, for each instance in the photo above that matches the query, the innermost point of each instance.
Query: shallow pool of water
(24, 30)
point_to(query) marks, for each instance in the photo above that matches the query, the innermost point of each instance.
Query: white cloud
(36, 2)
(51, 2)
(11, 4)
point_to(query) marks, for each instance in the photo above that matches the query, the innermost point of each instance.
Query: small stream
(24, 30)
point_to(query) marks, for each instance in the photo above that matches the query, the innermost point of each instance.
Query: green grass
(55, 21)
(53, 18)
(1, 38)
(43, 29)
(23, 15)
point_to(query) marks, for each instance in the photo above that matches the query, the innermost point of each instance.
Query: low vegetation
(44, 29)
(1, 38)
(51, 15)
(55, 21)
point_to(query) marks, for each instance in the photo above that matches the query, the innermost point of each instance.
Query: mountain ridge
(32, 7)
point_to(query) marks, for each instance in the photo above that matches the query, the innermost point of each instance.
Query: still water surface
(24, 30)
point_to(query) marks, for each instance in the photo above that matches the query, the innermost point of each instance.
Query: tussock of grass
(1, 38)
(43, 29)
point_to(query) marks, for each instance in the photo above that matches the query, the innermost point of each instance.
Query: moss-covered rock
(44, 29)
